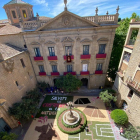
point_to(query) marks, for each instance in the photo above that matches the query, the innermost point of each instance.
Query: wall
(9, 90)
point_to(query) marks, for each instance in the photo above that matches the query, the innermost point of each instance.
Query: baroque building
(43, 49)
(127, 82)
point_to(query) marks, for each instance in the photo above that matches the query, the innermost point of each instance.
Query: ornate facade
(88, 41)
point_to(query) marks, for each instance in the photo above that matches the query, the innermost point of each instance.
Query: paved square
(44, 127)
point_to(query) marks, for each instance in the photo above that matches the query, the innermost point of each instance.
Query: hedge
(73, 132)
(119, 116)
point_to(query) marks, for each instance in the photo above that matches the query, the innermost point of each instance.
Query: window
(102, 48)
(51, 51)
(37, 52)
(126, 56)
(130, 94)
(24, 14)
(14, 14)
(69, 68)
(99, 67)
(25, 46)
(22, 62)
(41, 68)
(85, 67)
(85, 49)
(17, 83)
(68, 50)
(54, 68)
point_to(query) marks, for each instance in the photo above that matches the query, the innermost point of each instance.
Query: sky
(52, 8)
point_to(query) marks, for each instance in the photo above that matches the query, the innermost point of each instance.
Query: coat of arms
(8, 65)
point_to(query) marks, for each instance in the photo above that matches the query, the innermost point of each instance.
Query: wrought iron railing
(133, 83)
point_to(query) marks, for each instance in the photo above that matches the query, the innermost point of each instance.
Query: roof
(16, 2)
(8, 50)
(10, 29)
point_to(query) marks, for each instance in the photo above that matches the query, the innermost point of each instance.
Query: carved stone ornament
(35, 43)
(49, 42)
(57, 39)
(94, 36)
(8, 65)
(86, 40)
(42, 40)
(78, 38)
(66, 20)
(85, 61)
(67, 39)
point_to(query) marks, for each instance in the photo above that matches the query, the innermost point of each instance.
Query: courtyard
(99, 124)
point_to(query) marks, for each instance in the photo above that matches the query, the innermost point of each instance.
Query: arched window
(24, 13)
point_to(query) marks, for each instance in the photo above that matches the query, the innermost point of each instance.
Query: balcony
(39, 58)
(52, 58)
(98, 72)
(85, 56)
(100, 56)
(84, 73)
(42, 73)
(55, 73)
(73, 73)
(65, 57)
(134, 85)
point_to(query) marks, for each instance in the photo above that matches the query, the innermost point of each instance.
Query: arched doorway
(124, 105)
(54, 81)
(85, 82)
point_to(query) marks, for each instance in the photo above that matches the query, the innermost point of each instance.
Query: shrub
(107, 97)
(131, 133)
(71, 126)
(6, 136)
(119, 116)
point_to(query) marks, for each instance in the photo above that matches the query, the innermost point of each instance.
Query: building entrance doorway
(54, 81)
(85, 82)
(4, 127)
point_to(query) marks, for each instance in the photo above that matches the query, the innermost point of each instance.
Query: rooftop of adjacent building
(16, 2)
(8, 51)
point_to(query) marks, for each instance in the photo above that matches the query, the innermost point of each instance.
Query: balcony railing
(73, 73)
(84, 73)
(39, 58)
(85, 56)
(55, 73)
(98, 72)
(133, 84)
(65, 57)
(52, 58)
(99, 56)
(42, 73)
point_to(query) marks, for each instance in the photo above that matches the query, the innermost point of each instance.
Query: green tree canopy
(68, 83)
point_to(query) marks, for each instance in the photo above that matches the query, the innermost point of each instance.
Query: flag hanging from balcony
(68, 59)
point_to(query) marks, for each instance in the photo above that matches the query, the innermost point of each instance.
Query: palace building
(34, 49)
(127, 82)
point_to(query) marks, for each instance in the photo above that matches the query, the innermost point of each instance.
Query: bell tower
(18, 10)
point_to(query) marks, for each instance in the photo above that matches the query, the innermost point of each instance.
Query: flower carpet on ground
(44, 127)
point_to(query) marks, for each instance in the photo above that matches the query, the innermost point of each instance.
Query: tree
(119, 41)
(107, 97)
(6, 136)
(68, 83)
(28, 106)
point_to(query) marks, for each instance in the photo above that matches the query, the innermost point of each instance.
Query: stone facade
(11, 70)
(129, 81)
